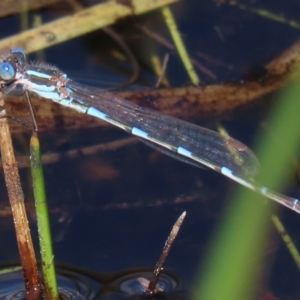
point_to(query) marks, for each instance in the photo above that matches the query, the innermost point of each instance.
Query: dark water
(113, 211)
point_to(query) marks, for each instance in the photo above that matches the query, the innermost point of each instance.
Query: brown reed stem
(16, 198)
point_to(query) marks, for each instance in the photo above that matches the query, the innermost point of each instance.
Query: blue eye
(19, 54)
(18, 51)
(7, 71)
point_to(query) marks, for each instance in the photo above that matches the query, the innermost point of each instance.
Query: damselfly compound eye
(18, 54)
(7, 71)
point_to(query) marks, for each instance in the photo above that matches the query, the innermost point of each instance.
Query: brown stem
(162, 259)
(16, 198)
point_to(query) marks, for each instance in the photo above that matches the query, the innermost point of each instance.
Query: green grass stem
(47, 257)
(233, 263)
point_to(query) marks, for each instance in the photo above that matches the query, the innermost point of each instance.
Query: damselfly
(191, 142)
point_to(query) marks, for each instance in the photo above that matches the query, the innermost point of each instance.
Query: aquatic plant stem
(171, 23)
(80, 23)
(236, 252)
(166, 250)
(288, 241)
(16, 198)
(47, 257)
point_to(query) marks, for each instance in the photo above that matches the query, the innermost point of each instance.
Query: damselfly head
(10, 65)
(7, 71)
